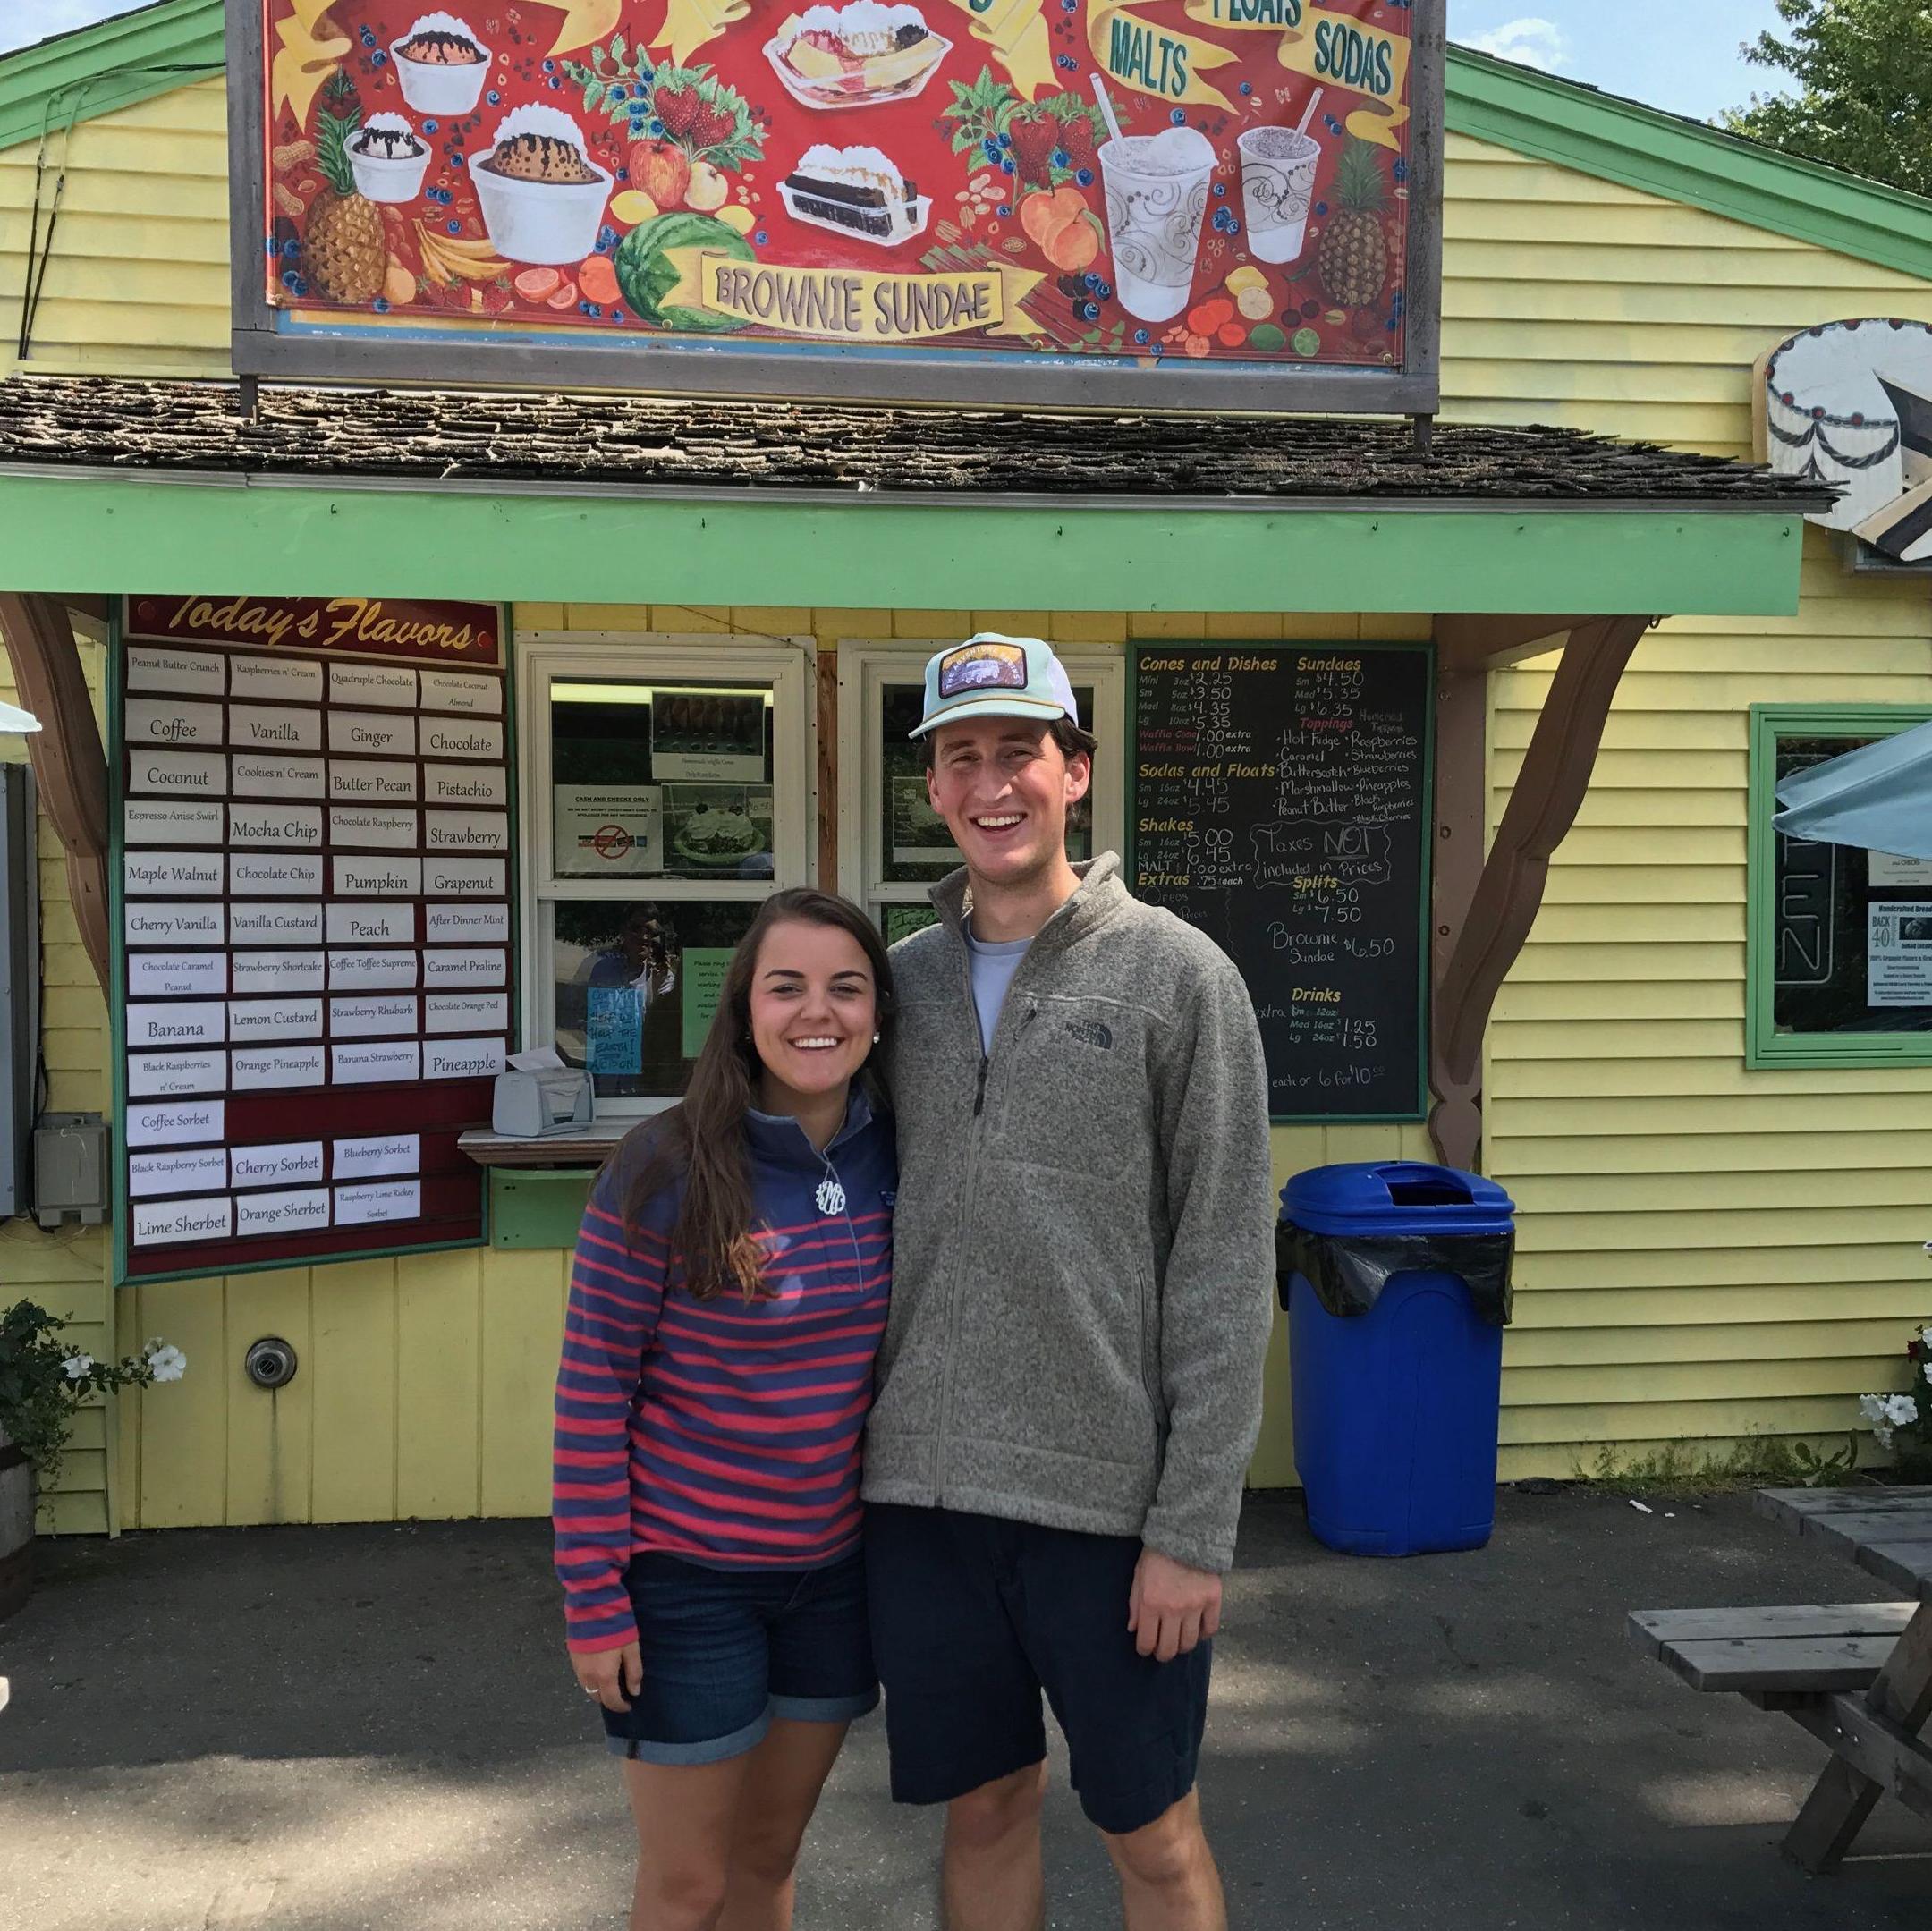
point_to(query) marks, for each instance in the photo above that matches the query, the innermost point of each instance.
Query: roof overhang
(161, 532)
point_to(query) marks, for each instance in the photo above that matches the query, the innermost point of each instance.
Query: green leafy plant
(44, 1380)
(984, 110)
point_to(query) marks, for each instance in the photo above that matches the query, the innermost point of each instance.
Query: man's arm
(1217, 1296)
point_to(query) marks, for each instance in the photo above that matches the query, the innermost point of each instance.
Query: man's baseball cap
(993, 675)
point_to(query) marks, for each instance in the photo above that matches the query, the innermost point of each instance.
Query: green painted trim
(1684, 161)
(1766, 1048)
(1163, 647)
(152, 533)
(538, 1206)
(111, 65)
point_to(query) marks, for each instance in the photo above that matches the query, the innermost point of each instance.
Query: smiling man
(1070, 1384)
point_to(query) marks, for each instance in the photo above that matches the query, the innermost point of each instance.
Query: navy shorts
(973, 1617)
(726, 1650)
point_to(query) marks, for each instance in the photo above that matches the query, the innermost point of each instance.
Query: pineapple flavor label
(936, 175)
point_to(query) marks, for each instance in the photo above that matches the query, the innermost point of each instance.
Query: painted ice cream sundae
(542, 196)
(855, 55)
(855, 191)
(387, 159)
(440, 64)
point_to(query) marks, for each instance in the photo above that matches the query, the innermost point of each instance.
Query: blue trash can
(1396, 1280)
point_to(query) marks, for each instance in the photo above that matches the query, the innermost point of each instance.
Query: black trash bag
(1349, 1271)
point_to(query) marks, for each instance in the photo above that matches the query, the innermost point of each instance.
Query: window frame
(544, 657)
(1766, 1048)
(866, 665)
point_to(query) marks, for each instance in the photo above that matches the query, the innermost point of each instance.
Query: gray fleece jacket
(1082, 1247)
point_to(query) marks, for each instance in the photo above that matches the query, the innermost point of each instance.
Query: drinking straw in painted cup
(1156, 198)
(1278, 173)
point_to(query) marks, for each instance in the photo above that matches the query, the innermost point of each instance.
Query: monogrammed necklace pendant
(831, 1196)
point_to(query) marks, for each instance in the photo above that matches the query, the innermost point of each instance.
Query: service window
(1839, 955)
(892, 845)
(666, 794)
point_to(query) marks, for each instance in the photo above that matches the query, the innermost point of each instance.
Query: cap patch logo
(982, 668)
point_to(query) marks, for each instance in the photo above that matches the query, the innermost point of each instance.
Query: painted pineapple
(1354, 246)
(344, 251)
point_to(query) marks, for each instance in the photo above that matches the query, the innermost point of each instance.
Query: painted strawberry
(1033, 145)
(709, 126)
(678, 108)
(1077, 136)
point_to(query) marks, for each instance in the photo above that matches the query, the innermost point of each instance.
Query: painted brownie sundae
(440, 64)
(541, 195)
(388, 160)
(855, 191)
(855, 55)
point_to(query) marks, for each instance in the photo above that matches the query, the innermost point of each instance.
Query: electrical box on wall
(20, 982)
(71, 1168)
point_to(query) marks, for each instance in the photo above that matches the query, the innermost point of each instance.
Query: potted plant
(1903, 1422)
(43, 1381)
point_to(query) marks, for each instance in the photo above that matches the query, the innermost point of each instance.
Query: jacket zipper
(971, 1189)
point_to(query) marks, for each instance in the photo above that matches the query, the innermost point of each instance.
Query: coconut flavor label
(1133, 180)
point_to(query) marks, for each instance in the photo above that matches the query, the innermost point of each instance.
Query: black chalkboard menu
(1280, 804)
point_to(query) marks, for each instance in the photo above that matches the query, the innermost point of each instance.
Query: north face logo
(1091, 1032)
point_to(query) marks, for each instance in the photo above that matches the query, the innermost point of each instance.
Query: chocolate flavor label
(177, 975)
(445, 737)
(380, 684)
(451, 691)
(465, 1011)
(383, 830)
(250, 876)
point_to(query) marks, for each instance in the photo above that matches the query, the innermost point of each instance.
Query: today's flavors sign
(1158, 190)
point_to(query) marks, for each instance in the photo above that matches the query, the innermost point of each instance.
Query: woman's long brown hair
(701, 1141)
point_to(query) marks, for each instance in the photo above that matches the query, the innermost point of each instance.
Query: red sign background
(446, 633)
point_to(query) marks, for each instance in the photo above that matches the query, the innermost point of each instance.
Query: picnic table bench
(1857, 1675)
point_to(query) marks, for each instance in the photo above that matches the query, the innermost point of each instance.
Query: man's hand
(1171, 1607)
(607, 1674)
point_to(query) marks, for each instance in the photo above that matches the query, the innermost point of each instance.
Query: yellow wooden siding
(66, 1270)
(137, 279)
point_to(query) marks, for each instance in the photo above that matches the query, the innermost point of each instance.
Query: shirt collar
(779, 1137)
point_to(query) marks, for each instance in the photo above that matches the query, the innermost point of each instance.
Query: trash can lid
(1395, 1197)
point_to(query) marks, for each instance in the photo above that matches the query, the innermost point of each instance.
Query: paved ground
(328, 1730)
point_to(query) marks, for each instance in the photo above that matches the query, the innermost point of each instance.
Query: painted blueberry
(1006, 168)
(1085, 177)
(1401, 170)
(1178, 118)
(620, 93)
(1060, 158)
(1105, 291)
(555, 83)
(430, 127)
(378, 58)
(382, 305)
(456, 160)
(291, 250)
(616, 315)
(1140, 335)
(1220, 188)
(1247, 87)
(456, 228)
(494, 97)
(549, 66)
(1321, 207)
(762, 238)
(1003, 209)
(1090, 311)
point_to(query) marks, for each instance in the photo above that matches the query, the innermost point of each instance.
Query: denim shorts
(726, 1650)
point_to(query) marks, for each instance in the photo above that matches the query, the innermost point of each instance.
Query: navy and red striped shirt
(724, 1431)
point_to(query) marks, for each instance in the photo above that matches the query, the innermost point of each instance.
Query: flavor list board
(1280, 805)
(312, 914)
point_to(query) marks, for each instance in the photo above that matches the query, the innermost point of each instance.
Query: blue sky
(1680, 54)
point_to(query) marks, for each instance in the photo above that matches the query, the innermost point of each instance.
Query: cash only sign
(1170, 200)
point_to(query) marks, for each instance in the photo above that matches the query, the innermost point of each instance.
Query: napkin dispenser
(538, 1095)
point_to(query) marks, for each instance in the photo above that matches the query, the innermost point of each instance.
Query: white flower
(1877, 1410)
(168, 1364)
(1900, 1410)
(79, 1365)
(1925, 1337)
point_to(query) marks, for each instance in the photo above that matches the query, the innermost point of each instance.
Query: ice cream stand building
(477, 490)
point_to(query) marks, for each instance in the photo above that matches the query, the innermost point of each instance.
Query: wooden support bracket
(1483, 944)
(69, 765)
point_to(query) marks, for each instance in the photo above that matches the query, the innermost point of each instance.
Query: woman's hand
(611, 1675)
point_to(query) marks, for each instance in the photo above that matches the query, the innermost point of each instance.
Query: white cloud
(1532, 42)
(30, 20)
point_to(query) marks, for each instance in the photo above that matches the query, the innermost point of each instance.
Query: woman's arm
(617, 1278)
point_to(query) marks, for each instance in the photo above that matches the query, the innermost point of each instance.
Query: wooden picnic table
(1877, 1736)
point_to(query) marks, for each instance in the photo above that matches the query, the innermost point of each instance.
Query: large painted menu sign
(312, 927)
(1156, 189)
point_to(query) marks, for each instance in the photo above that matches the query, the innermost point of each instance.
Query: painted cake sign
(1209, 179)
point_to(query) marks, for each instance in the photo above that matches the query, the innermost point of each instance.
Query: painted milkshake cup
(1277, 172)
(1156, 198)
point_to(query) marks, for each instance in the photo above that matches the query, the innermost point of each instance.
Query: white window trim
(544, 657)
(866, 665)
